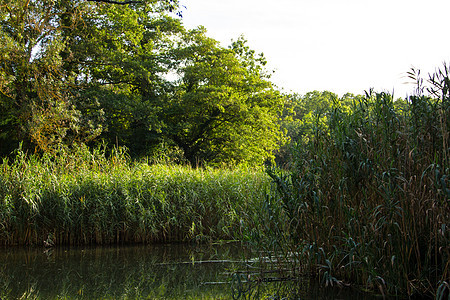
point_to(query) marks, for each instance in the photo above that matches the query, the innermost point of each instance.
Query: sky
(336, 45)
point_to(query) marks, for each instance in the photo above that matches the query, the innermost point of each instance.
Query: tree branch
(117, 2)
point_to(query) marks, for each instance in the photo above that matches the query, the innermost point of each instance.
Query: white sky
(336, 45)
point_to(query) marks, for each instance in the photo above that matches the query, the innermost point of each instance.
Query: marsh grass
(86, 197)
(368, 200)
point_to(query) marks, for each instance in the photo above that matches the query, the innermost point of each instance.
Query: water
(142, 272)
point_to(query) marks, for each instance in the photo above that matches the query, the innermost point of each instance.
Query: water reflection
(139, 272)
(115, 272)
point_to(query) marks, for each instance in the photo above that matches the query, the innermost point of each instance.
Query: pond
(172, 271)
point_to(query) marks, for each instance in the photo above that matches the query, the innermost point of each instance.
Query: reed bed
(89, 197)
(368, 201)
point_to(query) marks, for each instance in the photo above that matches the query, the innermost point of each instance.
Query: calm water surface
(143, 272)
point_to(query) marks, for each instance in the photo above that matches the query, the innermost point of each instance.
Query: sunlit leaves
(223, 110)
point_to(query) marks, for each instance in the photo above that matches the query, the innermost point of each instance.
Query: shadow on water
(140, 272)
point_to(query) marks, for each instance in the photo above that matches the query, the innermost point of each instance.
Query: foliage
(77, 72)
(123, 61)
(224, 109)
(36, 99)
(366, 200)
(306, 115)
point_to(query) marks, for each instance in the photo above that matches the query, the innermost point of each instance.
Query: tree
(35, 99)
(224, 108)
(125, 61)
(55, 53)
(307, 115)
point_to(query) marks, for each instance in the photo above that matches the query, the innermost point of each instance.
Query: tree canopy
(128, 73)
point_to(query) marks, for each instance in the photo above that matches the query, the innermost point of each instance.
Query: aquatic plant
(86, 197)
(367, 201)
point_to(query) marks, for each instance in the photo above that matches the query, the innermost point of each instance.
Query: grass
(87, 197)
(367, 201)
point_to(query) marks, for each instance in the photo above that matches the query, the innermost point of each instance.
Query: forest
(113, 116)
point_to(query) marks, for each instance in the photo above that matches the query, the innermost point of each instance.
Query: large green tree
(221, 106)
(224, 108)
(29, 67)
(54, 54)
(122, 59)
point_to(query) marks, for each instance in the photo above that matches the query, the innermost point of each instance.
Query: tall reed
(89, 197)
(368, 200)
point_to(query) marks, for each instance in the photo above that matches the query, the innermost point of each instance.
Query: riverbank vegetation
(358, 188)
(86, 198)
(366, 199)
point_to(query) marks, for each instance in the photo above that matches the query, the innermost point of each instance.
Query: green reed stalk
(89, 197)
(368, 199)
